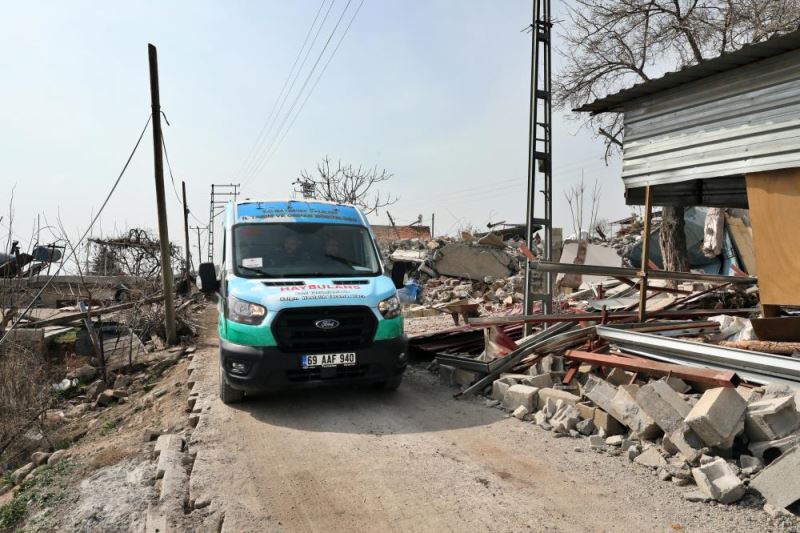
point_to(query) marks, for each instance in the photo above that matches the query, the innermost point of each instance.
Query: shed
(724, 133)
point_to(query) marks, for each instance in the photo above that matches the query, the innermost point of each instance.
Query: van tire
(392, 384)
(228, 394)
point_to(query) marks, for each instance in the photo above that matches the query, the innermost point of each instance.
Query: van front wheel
(392, 384)
(227, 393)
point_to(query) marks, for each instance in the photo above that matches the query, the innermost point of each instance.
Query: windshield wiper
(342, 260)
(251, 269)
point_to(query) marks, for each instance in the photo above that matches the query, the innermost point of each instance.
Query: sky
(435, 92)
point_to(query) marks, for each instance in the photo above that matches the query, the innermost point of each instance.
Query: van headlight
(390, 307)
(245, 312)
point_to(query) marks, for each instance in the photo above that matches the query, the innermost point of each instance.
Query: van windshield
(303, 250)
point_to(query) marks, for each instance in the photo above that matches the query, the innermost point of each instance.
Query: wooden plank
(95, 311)
(774, 199)
(742, 236)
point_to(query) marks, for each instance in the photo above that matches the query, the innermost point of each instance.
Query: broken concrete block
(771, 449)
(718, 416)
(517, 395)
(718, 481)
(447, 375)
(771, 419)
(749, 394)
(556, 394)
(540, 418)
(520, 412)
(632, 415)
(650, 457)
(684, 441)
(550, 407)
(597, 442)
(748, 461)
(540, 381)
(106, 397)
(586, 410)
(500, 386)
(551, 363)
(607, 423)
(473, 262)
(678, 385)
(663, 405)
(615, 440)
(779, 483)
(465, 378)
(94, 390)
(565, 419)
(601, 393)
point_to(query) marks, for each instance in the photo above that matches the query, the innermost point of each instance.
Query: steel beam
(614, 272)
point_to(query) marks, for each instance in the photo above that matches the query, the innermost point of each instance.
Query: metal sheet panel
(728, 124)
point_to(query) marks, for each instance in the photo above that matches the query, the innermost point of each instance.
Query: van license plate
(329, 359)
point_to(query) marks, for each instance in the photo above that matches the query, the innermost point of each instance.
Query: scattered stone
(19, 474)
(718, 417)
(772, 510)
(56, 457)
(201, 503)
(585, 427)
(566, 418)
(39, 458)
(488, 403)
(540, 418)
(122, 382)
(753, 463)
(684, 441)
(633, 452)
(500, 386)
(664, 475)
(150, 434)
(94, 390)
(85, 372)
(596, 442)
(615, 440)
(106, 398)
(520, 412)
(681, 482)
(719, 482)
(651, 458)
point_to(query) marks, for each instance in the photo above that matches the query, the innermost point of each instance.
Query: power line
(269, 147)
(80, 241)
(172, 178)
(269, 120)
(264, 141)
(316, 82)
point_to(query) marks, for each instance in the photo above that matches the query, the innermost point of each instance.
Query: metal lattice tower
(220, 195)
(540, 154)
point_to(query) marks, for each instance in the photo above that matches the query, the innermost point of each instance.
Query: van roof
(300, 211)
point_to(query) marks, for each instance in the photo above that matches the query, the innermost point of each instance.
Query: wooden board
(774, 199)
(742, 236)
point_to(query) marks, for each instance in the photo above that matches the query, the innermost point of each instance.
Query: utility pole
(163, 232)
(540, 152)
(199, 249)
(186, 230)
(433, 221)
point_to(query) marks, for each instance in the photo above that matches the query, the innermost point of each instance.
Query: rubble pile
(722, 443)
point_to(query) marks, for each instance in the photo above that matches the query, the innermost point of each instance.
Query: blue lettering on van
(297, 212)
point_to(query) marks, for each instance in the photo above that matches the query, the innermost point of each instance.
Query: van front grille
(295, 330)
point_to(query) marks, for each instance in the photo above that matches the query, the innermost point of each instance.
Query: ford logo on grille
(327, 323)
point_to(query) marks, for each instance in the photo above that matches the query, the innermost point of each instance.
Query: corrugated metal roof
(748, 54)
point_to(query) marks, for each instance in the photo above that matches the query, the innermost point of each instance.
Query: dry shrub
(25, 392)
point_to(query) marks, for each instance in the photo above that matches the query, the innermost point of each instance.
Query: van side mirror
(208, 278)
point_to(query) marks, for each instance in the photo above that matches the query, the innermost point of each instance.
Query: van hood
(277, 294)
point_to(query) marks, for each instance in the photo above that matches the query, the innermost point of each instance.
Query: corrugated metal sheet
(732, 60)
(744, 120)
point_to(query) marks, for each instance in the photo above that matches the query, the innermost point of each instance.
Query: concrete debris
(779, 483)
(718, 417)
(663, 405)
(718, 481)
(585, 427)
(651, 457)
(520, 412)
(772, 418)
(520, 395)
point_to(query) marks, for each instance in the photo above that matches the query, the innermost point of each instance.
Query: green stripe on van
(389, 329)
(248, 335)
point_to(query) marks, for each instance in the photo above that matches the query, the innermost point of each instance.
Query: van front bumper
(266, 368)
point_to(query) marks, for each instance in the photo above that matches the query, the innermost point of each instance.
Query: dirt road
(417, 460)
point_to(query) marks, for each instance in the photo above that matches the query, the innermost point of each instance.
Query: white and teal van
(303, 300)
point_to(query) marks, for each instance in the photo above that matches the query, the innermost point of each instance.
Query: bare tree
(614, 44)
(575, 199)
(346, 184)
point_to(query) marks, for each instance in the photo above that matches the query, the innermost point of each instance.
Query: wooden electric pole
(186, 231)
(163, 233)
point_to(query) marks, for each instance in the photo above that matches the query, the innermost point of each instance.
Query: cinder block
(642, 425)
(771, 419)
(499, 388)
(607, 423)
(556, 394)
(617, 376)
(779, 483)
(684, 441)
(602, 394)
(540, 381)
(663, 405)
(586, 411)
(775, 447)
(718, 481)
(524, 395)
(465, 378)
(718, 416)
(677, 384)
